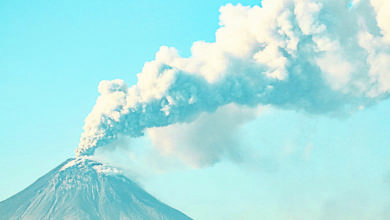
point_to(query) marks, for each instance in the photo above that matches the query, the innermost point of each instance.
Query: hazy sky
(289, 164)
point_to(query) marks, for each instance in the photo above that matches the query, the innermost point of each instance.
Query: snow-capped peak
(84, 162)
(84, 189)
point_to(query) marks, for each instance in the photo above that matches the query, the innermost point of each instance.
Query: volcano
(84, 189)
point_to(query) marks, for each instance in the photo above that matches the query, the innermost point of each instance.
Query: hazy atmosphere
(273, 109)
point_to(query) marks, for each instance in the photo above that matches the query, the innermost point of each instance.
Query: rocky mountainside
(83, 189)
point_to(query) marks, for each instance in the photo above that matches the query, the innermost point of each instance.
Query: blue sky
(55, 54)
(303, 166)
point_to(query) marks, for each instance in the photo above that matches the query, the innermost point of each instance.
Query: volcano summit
(83, 189)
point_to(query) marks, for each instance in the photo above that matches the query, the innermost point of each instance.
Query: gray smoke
(321, 58)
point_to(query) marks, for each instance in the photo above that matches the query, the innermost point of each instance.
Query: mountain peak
(81, 188)
(86, 164)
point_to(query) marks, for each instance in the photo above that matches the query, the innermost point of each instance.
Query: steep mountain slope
(83, 189)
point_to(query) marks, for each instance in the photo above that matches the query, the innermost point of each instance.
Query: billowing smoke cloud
(330, 57)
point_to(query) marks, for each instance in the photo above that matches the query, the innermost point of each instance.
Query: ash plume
(330, 57)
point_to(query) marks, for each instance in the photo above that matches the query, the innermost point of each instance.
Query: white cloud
(382, 8)
(317, 57)
(337, 71)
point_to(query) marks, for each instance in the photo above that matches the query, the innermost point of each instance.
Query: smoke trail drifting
(321, 58)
